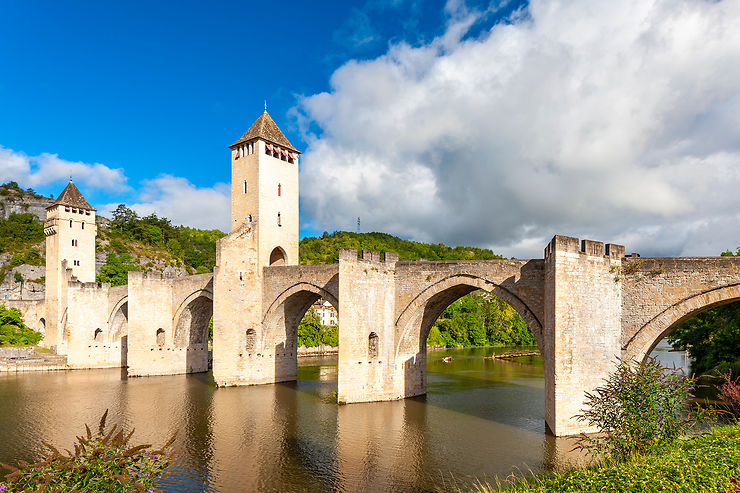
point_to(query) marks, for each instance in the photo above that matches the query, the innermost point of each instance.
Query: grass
(707, 462)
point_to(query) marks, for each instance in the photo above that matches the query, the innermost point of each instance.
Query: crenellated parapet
(371, 256)
(569, 244)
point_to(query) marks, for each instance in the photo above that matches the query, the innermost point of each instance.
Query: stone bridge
(586, 303)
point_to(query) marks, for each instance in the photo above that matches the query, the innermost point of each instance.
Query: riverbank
(708, 462)
(15, 359)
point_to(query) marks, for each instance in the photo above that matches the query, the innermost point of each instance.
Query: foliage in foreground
(729, 391)
(639, 407)
(708, 463)
(13, 332)
(102, 462)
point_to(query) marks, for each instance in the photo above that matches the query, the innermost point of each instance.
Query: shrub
(13, 331)
(102, 462)
(729, 391)
(640, 407)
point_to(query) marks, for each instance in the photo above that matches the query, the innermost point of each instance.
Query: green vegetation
(102, 462)
(325, 250)
(642, 415)
(638, 408)
(19, 232)
(13, 332)
(708, 462)
(116, 268)
(311, 333)
(18, 235)
(195, 248)
(480, 319)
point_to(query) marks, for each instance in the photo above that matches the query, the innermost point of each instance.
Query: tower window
(160, 337)
(372, 345)
(279, 186)
(251, 341)
(70, 223)
(279, 219)
(245, 186)
(83, 225)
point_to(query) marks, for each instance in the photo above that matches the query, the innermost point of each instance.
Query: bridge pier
(582, 330)
(367, 367)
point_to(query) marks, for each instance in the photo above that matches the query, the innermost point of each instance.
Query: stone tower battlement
(591, 248)
(350, 255)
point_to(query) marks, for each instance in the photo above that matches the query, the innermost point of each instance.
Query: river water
(481, 419)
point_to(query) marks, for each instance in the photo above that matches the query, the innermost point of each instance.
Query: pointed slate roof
(266, 129)
(72, 197)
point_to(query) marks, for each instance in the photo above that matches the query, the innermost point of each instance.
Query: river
(481, 419)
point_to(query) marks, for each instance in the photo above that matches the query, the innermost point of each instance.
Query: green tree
(13, 331)
(116, 269)
(309, 330)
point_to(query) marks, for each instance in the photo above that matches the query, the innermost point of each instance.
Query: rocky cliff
(14, 200)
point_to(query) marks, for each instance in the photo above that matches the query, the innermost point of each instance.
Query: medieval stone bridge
(585, 303)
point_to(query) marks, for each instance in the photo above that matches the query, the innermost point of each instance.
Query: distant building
(326, 312)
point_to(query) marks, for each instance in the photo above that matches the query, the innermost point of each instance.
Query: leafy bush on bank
(102, 462)
(709, 462)
(639, 407)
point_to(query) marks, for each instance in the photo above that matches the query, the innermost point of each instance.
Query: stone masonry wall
(582, 325)
(367, 306)
(659, 293)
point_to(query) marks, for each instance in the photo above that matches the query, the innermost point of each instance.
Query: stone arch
(191, 319)
(118, 320)
(42, 325)
(161, 337)
(418, 317)
(650, 334)
(278, 256)
(279, 335)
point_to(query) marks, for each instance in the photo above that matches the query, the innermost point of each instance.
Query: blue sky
(494, 124)
(164, 87)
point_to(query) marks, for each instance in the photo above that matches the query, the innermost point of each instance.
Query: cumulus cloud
(182, 202)
(617, 121)
(46, 168)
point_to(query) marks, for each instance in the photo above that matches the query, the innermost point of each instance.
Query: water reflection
(481, 418)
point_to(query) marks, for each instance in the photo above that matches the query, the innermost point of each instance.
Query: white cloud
(44, 169)
(617, 120)
(182, 202)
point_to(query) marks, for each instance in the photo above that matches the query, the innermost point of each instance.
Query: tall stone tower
(264, 191)
(264, 232)
(70, 249)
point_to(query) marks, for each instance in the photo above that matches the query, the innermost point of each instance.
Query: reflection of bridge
(585, 303)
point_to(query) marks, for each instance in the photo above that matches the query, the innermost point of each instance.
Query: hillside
(22, 246)
(151, 243)
(325, 249)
